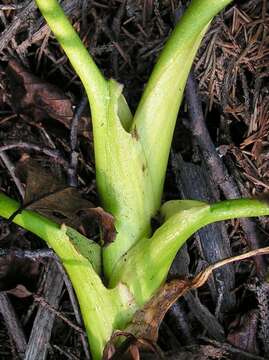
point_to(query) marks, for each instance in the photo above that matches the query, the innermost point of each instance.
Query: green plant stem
(140, 167)
(92, 78)
(156, 115)
(144, 268)
(102, 310)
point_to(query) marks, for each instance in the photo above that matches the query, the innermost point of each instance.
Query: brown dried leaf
(47, 194)
(20, 291)
(146, 321)
(129, 349)
(40, 181)
(69, 207)
(39, 99)
(106, 222)
(134, 352)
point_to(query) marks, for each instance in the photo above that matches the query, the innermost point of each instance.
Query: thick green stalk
(129, 195)
(144, 268)
(83, 64)
(156, 114)
(102, 310)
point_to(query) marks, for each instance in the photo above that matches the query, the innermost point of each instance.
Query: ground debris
(232, 72)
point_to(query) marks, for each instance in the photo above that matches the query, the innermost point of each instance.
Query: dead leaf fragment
(68, 206)
(20, 291)
(130, 348)
(146, 321)
(39, 99)
(106, 222)
(47, 194)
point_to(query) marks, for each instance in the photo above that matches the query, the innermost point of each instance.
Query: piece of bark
(205, 317)
(177, 316)
(13, 324)
(234, 352)
(38, 344)
(38, 99)
(213, 242)
(180, 267)
(216, 166)
(177, 320)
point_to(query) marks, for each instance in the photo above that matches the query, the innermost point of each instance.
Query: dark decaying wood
(13, 324)
(208, 243)
(38, 344)
(212, 240)
(215, 165)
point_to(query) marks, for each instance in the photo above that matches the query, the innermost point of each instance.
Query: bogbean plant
(131, 154)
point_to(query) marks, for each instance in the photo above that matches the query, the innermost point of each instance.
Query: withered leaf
(69, 207)
(129, 349)
(39, 99)
(106, 222)
(134, 352)
(20, 291)
(146, 321)
(47, 194)
(40, 181)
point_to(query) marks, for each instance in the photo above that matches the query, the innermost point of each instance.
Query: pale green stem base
(102, 310)
(144, 268)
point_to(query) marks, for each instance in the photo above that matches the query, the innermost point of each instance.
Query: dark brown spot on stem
(135, 134)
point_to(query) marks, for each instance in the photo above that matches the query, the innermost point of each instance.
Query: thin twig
(9, 7)
(28, 146)
(75, 306)
(203, 276)
(66, 354)
(11, 169)
(46, 305)
(232, 349)
(12, 323)
(34, 255)
(72, 169)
